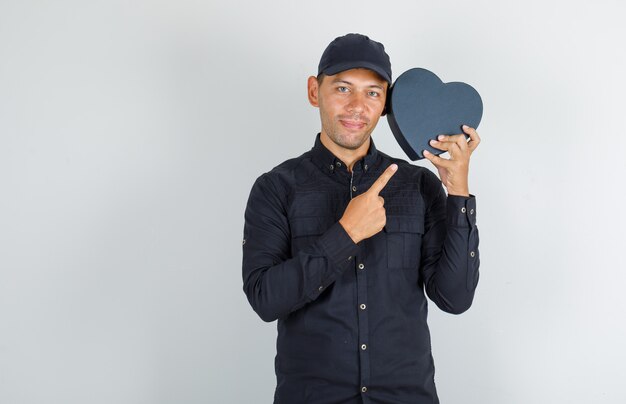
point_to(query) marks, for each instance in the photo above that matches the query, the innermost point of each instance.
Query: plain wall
(131, 133)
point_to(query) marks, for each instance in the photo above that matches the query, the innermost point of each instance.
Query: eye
(342, 89)
(374, 94)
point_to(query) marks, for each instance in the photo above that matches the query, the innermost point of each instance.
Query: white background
(132, 131)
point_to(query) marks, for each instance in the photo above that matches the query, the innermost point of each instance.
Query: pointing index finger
(380, 183)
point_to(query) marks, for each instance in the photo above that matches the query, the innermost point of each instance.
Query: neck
(348, 156)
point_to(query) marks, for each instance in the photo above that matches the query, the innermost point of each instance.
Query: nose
(357, 103)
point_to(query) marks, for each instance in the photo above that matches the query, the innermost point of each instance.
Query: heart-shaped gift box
(420, 107)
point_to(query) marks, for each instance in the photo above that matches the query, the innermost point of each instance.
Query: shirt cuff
(461, 210)
(339, 246)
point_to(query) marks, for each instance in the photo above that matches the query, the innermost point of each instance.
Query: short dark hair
(320, 78)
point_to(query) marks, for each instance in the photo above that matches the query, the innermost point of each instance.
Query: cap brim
(356, 64)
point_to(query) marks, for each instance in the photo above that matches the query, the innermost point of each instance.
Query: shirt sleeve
(275, 283)
(450, 258)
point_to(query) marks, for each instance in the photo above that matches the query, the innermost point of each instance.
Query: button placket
(363, 324)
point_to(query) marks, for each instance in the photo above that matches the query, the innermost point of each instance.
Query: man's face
(350, 104)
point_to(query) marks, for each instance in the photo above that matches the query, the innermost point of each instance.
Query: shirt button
(472, 254)
(364, 389)
(471, 211)
(320, 288)
(243, 242)
(365, 167)
(362, 306)
(339, 164)
(363, 347)
(463, 209)
(349, 258)
(361, 266)
(354, 188)
(332, 167)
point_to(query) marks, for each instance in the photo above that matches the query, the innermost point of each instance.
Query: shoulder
(411, 173)
(280, 179)
(410, 177)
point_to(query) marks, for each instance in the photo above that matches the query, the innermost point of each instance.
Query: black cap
(355, 50)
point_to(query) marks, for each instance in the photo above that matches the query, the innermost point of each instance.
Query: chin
(350, 142)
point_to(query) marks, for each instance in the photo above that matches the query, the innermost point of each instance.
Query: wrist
(349, 231)
(459, 191)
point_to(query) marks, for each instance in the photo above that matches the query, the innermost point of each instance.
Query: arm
(450, 258)
(450, 245)
(275, 283)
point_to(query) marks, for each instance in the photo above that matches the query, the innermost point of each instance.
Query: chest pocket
(404, 241)
(305, 230)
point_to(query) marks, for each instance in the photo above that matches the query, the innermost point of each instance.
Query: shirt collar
(329, 163)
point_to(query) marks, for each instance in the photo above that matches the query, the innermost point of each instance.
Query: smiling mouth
(352, 124)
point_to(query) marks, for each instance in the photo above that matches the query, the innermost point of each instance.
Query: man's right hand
(365, 215)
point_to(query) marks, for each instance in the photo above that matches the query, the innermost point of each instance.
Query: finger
(436, 160)
(454, 142)
(380, 183)
(451, 138)
(474, 138)
(461, 142)
(440, 145)
(456, 151)
(382, 200)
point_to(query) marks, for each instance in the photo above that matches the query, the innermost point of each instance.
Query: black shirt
(352, 317)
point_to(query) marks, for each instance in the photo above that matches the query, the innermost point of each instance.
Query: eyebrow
(347, 82)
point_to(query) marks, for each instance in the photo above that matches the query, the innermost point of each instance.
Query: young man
(342, 244)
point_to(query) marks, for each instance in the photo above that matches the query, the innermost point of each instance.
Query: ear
(312, 91)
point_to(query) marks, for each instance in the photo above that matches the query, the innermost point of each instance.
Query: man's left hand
(454, 171)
